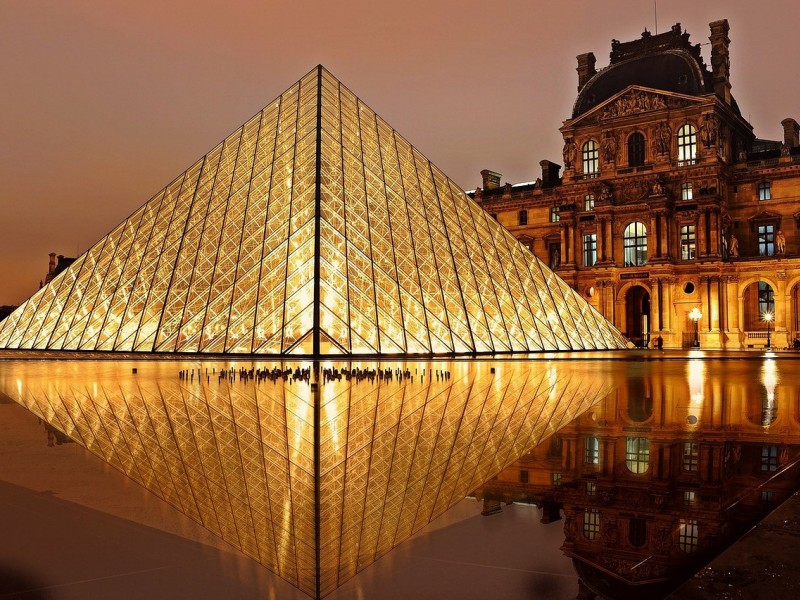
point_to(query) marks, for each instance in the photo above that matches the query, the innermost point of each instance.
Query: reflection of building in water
(662, 474)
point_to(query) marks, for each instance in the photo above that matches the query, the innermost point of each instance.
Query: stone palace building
(668, 202)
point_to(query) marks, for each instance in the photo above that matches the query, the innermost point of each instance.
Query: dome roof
(671, 71)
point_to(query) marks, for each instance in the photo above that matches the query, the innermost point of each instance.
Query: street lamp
(695, 315)
(767, 316)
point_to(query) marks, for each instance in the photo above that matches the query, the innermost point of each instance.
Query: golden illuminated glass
(315, 483)
(314, 229)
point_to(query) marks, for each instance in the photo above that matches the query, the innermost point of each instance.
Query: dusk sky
(104, 103)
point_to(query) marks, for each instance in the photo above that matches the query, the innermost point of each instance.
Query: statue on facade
(609, 146)
(709, 130)
(555, 258)
(606, 197)
(663, 139)
(780, 242)
(570, 153)
(733, 247)
(658, 187)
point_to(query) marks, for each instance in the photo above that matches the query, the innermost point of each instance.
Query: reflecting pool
(649, 463)
(665, 472)
(314, 470)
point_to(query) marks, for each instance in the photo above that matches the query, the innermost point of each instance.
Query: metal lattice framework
(314, 229)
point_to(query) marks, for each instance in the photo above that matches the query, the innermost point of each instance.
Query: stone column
(701, 233)
(732, 296)
(781, 320)
(601, 240)
(655, 307)
(653, 250)
(666, 286)
(713, 286)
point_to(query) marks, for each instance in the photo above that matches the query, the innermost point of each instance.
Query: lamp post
(695, 315)
(767, 316)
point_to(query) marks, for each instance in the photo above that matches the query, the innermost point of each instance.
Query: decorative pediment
(765, 216)
(634, 100)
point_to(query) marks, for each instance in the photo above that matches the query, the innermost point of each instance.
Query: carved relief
(662, 140)
(634, 190)
(709, 130)
(632, 103)
(609, 146)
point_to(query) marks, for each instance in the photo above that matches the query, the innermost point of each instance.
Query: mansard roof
(665, 61)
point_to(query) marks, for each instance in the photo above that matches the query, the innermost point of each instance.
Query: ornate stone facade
(668, 202)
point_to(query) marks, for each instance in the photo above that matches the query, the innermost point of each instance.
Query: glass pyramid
(313, 229)
(315, 482)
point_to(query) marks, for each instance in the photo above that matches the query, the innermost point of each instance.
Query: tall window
(687, 144)
(523, 476)
(591, 158)
(766, 298)
(635, 244)
(766, 240)
(769, 458)
(688, 242)
(765, 190)
(554, 216)
(686, 191)
(636, 150)
(688, 535)
(691, 456)
(589, 249)
(591, 523)
(637, 532)
(588, 202)
(592, 451)
(523, 217)
(637, 454)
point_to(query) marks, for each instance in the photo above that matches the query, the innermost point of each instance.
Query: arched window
(591, 158)
(636, 147)
(687, 144)
(766, 299)
(637, 454)
(591, 523)
(635, 244)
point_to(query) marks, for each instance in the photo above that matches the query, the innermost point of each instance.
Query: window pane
(635, 245)
(765, 190)
(687, 144)
(637, 454)
(591, 523)
(591, 160)
(766, 240)
(688, 535)
(589, 249)
(688, 242)
(592, 451)
(636, 148)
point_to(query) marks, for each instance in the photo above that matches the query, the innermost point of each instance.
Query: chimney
(585, 68)
(491, 179)
(721, 59)
(52, 266)
(549, 173)
(791, 133)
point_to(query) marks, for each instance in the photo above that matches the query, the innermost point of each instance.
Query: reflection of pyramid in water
(313, 229)
(314, 484)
